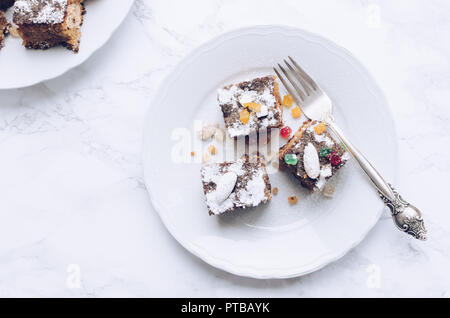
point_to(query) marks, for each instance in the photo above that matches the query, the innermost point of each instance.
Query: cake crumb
(293, 200)
(275, 191)
(328, 190)
(13, 31)
(208, 131)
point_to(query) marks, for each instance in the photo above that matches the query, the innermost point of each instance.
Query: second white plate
(276, 240)
(21, 67)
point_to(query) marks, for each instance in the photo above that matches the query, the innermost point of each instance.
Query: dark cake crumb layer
(3, 29)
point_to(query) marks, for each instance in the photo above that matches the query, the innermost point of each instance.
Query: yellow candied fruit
(293, 200)
(253, 106)
(288, 100)
(244, 116)
(296, 112)
(320, 128)
(212, 149)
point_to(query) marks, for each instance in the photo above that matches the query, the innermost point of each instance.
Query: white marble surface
(72, 194)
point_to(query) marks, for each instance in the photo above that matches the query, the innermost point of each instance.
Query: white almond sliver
(311, 161)
(224, 186)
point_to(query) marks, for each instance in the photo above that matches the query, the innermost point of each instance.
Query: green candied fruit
(291, 159)
(343, 146)
(325, 152)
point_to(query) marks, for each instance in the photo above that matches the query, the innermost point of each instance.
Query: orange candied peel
(296, 112)
(293, 200)
(253, 106)
(288, 100)
(320, 128)
(244, 116)
(212, 149)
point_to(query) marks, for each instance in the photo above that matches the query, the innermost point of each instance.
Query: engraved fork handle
(406, 217)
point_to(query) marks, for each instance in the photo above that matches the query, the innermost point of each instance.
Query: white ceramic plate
(21, 67)
(276, 240)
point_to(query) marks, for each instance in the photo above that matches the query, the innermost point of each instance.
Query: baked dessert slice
(46, 23)
(4, 25)
(5, 4)
(251, 106)
(235, 184)
(312, 155)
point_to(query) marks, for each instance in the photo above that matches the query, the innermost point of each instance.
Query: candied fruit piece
(244, 116)
(335, 159)
(212, 149)
(320, 128)
(296, 112)
(325, 152)
(293, 200)
(192, 153)
(253, 106)
(275, 191)
(286, 132)
(290, 159)
(288, 100)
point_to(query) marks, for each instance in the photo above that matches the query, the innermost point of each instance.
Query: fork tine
(291, 80)
(299, 78)
(288, 88)
(304, 74)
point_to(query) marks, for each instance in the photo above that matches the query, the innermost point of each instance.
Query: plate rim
(97, 47)
(239, 270)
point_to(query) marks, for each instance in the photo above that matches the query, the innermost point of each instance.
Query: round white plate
(21, 67)
(275, 240)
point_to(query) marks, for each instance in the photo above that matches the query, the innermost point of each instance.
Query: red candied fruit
(334, 159)
(286, 132)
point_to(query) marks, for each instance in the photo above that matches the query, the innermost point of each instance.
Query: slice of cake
(46, 23)
(251, 106)
(3, 29)
(312, 155)
(5, 4)
(236, 184)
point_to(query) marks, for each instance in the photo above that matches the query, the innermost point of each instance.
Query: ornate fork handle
(406, 217)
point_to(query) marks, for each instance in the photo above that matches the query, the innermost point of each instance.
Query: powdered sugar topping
(40, 11)
(250, 186)
(224, 186)
(236, 97)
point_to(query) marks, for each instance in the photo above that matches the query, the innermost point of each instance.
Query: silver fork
(316, 105)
